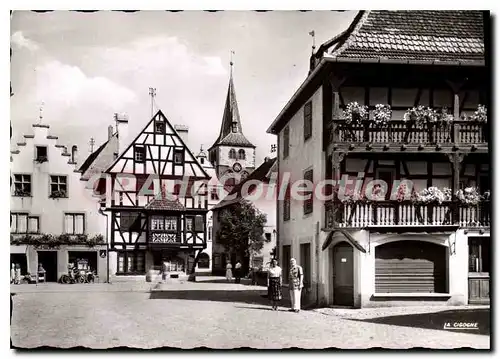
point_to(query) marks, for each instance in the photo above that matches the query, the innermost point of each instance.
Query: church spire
(231, 131)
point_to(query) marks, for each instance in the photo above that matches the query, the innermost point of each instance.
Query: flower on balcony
(469, 196)
(480, 115)
(421, 115)
(402, 193)
(447, 193)
(382, 115)
(443, 117)
(350, 197)
(355, 114)
(430, 195)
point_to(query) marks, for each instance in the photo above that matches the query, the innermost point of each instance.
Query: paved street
(217, 315)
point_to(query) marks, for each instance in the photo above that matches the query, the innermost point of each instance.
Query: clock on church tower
(232, 154)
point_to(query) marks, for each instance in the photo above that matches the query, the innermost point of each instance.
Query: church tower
(232, 154)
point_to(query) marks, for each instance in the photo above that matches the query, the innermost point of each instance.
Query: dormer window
(139, 154)
(202, 160)
(160, 127)
(235, 126)
(41, 154)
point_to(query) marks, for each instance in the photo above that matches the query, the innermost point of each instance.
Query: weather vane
(92, 143)
(314, 43)
(40, 116)
(231, 61)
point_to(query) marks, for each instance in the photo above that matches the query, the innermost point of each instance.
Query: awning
(347, 235)
(18, 249)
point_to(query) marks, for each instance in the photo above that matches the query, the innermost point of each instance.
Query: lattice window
(140, 154)
(59, 186)
(22, 185)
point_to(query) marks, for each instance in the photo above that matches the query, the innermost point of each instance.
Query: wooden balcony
(399, 132)
(393, 213)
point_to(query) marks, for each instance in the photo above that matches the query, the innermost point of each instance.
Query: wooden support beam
(456, 160)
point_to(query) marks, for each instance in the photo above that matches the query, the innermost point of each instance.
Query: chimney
(122, 129)
(110, 132)
(266, 159)
(183, 130)
(74, 154)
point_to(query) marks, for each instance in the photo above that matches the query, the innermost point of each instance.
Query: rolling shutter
(410, 267)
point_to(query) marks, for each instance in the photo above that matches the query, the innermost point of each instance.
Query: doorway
(48, 259)
(19, 258)
(343, 275)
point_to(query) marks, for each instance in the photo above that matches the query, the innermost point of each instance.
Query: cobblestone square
(215, 315)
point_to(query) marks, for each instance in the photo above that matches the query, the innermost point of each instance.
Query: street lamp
(101, 212)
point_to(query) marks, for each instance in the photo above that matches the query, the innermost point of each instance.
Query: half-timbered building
(154, 192)
(399, 96)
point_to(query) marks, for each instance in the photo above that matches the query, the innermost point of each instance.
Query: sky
(81, 68)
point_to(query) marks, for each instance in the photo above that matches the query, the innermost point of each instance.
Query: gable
(98, 161)
(158, 149)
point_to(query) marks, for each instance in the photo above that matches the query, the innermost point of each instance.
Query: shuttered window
(286, 204)
(286, 142)
(308, 203)
(307, 121)
(410, 267)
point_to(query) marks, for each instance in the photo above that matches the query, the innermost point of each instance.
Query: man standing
(237, 272)
(296, 284)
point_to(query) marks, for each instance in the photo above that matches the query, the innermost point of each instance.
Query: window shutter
(286, 142)
(308, 203)
(307, 120)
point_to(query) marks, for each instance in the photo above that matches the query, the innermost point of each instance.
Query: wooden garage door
(410, 267)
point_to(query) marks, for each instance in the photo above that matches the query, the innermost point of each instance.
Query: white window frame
(74, 216)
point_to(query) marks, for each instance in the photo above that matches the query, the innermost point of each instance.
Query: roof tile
(417, 35)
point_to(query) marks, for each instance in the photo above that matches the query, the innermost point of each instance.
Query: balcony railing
(393, 213)
(397, 131)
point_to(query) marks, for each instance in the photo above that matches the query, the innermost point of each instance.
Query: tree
(241, 229)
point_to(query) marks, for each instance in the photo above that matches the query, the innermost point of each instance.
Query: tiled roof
(231, 115)
(165, 202)
(260, 174)
(91, 158)
(165, 205)
(235, 139)
(456, 36)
